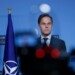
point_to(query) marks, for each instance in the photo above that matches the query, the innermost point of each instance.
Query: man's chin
(46, 34)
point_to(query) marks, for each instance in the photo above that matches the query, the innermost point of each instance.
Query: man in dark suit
(41, 60)
(47, 65)
(45, 22)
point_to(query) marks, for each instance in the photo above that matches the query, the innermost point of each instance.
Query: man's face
(45, 26)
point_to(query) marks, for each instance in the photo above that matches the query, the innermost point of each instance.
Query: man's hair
(44, 15)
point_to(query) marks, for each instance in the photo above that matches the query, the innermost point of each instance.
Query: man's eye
(43, 23)
(49, 23)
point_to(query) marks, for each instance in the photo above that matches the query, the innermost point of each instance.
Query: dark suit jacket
(55, 43)
(34, 66)
(46, 65)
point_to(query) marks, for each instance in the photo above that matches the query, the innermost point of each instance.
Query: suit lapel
(40, 45)
(51, 42)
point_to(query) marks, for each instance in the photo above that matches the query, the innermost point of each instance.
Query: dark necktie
(45, 40)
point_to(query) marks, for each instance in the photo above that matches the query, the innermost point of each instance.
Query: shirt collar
(48, 41)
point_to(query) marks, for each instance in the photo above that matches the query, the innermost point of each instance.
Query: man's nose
(46, 25)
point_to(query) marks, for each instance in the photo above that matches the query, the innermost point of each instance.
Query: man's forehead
(46, 19)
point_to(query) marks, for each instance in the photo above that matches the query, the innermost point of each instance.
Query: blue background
(25, 14)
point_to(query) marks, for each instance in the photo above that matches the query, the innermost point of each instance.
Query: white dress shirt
(48, 41)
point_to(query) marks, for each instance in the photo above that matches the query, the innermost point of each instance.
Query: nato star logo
(10, 67)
